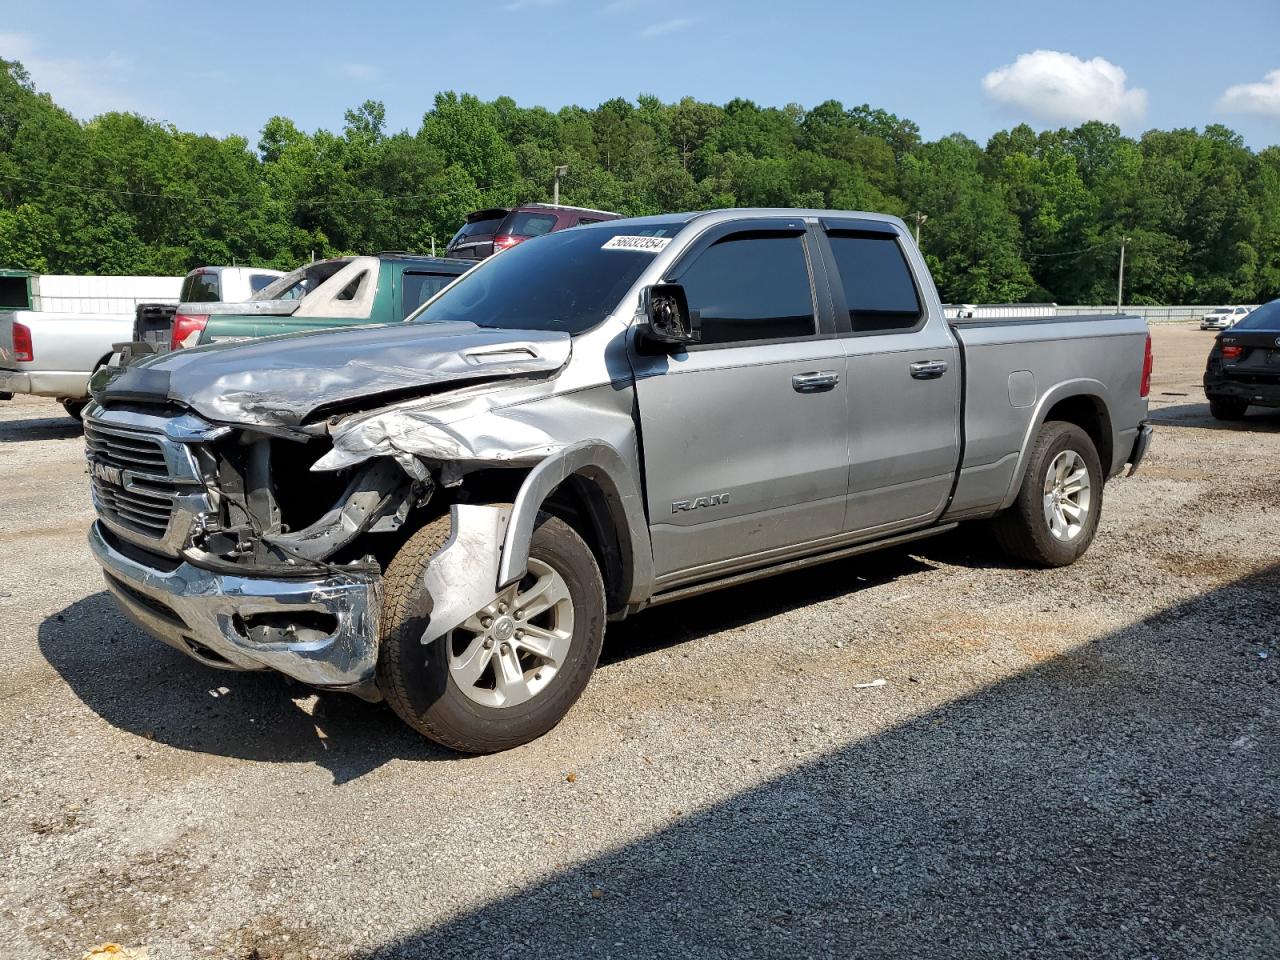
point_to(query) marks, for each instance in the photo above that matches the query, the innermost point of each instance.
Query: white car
(1223, 317)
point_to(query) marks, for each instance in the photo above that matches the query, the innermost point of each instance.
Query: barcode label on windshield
(643, 244)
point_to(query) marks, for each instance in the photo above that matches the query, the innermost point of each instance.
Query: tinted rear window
(563, 281)
(1266, 317)
(878, 288)
(419, 288)
(200, 288)
(259, 280)
(529, 224)
(477, 228)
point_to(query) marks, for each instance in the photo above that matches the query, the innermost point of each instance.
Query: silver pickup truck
(445, 513)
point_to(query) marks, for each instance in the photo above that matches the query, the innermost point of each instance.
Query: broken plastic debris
(878, 682)
(113, 951)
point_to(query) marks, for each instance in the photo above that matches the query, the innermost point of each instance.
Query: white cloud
(516, 5)
(667, 26)
(361, 71)
(1062, 88)
(86, 86)
(1263, 98)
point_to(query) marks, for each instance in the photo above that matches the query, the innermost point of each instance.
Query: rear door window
(879, 290)
(523, 224)
(200, 288)
(751, 287)
(418, 288)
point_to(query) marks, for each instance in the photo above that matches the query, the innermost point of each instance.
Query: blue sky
(950, 66)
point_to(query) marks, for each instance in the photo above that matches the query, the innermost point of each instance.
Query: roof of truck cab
(747, 213)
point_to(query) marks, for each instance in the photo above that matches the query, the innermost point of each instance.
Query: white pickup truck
(55, 331)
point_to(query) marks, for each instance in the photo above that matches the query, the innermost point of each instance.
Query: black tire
(1022, 531)
(415, 680)
(1228, 408)
(74, 408)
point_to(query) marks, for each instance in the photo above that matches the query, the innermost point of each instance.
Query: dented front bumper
(322, 632)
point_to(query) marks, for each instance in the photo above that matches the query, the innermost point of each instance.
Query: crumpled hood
(282, 381)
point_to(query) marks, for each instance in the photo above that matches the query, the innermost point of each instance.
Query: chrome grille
(130, 478)
(126, 450)
(143, 512)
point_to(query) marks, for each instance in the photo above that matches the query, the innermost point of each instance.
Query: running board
(733, 580)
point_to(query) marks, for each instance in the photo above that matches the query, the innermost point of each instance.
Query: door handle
(928, 369)
(817, 382)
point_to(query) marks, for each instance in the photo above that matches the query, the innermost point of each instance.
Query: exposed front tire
(1054, 518)
(510, 672)
(1228, 408)
(74, 408)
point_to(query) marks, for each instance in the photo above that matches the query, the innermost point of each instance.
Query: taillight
(1148, 362)
(1232, 353)
(187, 328)
(506, 242)
(22, 349)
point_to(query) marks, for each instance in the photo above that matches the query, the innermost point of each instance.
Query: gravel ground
(1081, 762)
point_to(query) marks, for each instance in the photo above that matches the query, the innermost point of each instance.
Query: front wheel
(74, 408)
(511, 671)
(1054, 518)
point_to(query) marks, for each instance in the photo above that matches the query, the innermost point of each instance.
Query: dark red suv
(487, 232)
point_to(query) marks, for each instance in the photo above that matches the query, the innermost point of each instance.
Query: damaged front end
(260, 543)
(220, 542)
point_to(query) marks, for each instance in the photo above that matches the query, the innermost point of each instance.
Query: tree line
(1027, 217)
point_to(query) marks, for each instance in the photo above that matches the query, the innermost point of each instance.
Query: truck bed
(1017, 367)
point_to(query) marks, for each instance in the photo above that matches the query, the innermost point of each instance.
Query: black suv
(487, 232)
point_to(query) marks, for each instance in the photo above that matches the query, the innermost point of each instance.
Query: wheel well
(583, 503)
(1090, 415)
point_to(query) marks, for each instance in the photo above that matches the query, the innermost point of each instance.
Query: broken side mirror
(666, 317)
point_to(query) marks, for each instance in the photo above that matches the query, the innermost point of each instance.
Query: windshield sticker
(643, 244)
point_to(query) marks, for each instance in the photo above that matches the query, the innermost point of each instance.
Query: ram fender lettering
(697, 503)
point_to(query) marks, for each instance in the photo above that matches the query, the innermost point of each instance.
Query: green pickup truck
(337, 293)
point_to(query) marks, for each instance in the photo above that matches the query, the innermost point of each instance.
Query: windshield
(570, 280)
(1266, 317)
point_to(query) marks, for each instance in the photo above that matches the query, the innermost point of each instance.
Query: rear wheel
(1228, 408)
(1054, 518)
(74, 408)
(511, 671)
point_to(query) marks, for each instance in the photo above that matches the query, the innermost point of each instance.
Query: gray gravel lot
(1082, 762)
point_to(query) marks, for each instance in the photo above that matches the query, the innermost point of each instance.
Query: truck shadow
(1257, 420)
(139, 685)
(1115, 801)
(39, 428)
(672, 624)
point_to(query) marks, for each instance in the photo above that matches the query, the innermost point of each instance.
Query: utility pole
(555, 191)
(1120, 284)
(920, 218)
